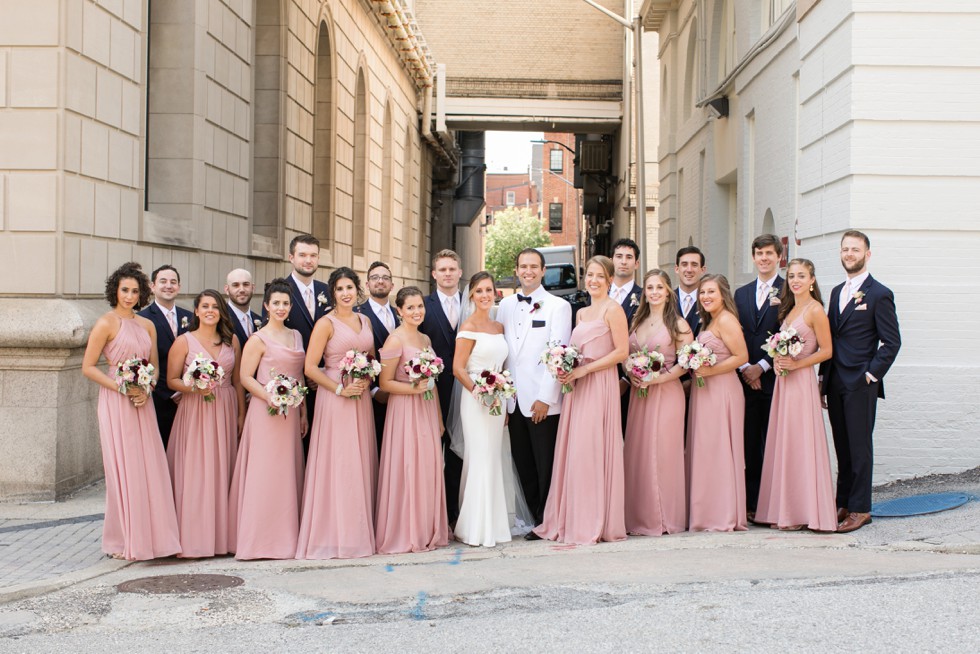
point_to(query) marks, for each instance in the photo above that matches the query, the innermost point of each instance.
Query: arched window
(768, 223)
(323, 219)
(361, 158)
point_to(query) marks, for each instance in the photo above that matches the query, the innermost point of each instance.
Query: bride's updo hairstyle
(406, 292)
(476, 279)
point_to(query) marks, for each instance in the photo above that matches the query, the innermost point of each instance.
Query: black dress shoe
(531, 536)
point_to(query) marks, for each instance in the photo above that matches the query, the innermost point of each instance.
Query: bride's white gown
(483, 517)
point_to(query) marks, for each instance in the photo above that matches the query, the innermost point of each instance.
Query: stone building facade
(831, 115)
(200, 133)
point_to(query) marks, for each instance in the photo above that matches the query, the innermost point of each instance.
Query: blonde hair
(446, 254)
(670, 311)
(725, 290)
(606, 264)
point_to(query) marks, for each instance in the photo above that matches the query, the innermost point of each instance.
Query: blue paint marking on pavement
(457, 557)
(315, 617)
(418, 613)
(919, 504)
(389, 568)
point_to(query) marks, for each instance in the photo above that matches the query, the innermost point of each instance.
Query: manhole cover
(177, 584)
(919, 505)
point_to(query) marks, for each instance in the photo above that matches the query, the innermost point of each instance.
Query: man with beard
(238, 290)
(383, 319)
(866, 339)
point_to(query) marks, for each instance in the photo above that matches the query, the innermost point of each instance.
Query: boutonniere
(257, 323)
(858, 297)
(634, 302)
(184, 322)
(535, 307)
(774, 296)
(321, 298)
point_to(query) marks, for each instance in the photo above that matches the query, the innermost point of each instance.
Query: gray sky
(510, 150)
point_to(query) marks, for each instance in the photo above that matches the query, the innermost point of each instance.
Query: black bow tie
(524, 298)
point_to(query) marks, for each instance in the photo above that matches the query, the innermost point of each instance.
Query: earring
(811, 288)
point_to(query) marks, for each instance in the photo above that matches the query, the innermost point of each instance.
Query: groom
(532, 318)
(866, 340)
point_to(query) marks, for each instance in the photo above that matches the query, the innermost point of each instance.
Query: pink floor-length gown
(342, 470)
(585, 502)
(140, 521)
(656, 492)
(267, 487)
(716, 456)
(796, 486)
(411, 490)
(202, 449)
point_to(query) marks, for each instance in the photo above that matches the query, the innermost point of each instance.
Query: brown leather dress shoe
(841, 515)
(853, 522)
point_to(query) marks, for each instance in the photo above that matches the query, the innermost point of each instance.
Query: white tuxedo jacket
(528, 334)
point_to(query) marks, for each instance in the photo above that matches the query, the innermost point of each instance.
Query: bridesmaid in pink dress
(715, 457)
(204, 439)
(656, 493)
(342, 470)
(796, 489)
(140, 521)
(411, 490)
(267, 487)
(585, 502)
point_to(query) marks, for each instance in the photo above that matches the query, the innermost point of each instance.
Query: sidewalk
(47, 546)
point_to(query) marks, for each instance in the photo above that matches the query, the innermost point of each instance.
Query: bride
(480, 345)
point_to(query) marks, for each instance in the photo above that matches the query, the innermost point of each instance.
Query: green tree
(512, 230)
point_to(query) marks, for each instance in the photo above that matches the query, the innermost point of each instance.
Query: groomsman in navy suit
(239, 290)
(689, 268)
(443, 314)
(384, 320)
(758, 306)
(866, 340)
(310, 302)
(170, 321)
(624, 289)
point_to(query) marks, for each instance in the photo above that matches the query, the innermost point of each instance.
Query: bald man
(239, 289)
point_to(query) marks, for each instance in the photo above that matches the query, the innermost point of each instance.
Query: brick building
(561, 206)
(506, 190)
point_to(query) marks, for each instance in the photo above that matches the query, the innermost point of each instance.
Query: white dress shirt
(694, 300)
(244, 319)
(619, 293)
(445, 301)
(306, 292)
(384, 313)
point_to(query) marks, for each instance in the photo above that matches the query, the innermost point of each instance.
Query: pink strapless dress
(716, 456)
(585, 502)
(140, 521)
(796, 486)
(202, 450)
(411, 489)
(267, 487)
(656, 493)
(342, 470)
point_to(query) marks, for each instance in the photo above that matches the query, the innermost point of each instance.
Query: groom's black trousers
(852, 419)
(533, 448)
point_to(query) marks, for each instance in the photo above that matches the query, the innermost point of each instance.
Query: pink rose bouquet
(426, 366)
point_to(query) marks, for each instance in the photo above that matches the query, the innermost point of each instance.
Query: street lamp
(641, 198)
(574, 154)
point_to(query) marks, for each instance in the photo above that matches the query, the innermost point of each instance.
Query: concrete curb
(44, 586)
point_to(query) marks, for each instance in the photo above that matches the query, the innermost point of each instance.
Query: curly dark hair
(343, 273)
(129, 270)
(225, 330)
(277, 285)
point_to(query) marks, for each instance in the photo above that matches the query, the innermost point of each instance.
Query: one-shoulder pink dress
(656, 492)
(411, 490)
(796, 486)
(716, 455)
(140, 521)
(202, 450)
(585, 502)
(342, 470)
(267, 487)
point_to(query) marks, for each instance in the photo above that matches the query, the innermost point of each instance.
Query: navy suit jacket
(165, 340)
(239, 330)
(631, 302)
(757, 325)
(864, 339)
(693, 319)
(299, 318)
(377, 327)
(436, 326)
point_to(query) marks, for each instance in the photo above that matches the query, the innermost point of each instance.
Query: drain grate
(179, 584)
(919, 505)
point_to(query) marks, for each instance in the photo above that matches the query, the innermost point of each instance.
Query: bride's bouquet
(644, 365)
(492, 388)
(694, 356)
(561, 358)
(136, 371)
(359, 365)
(285, 393)
(426, 366)
(784, 343)
(204, 374)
